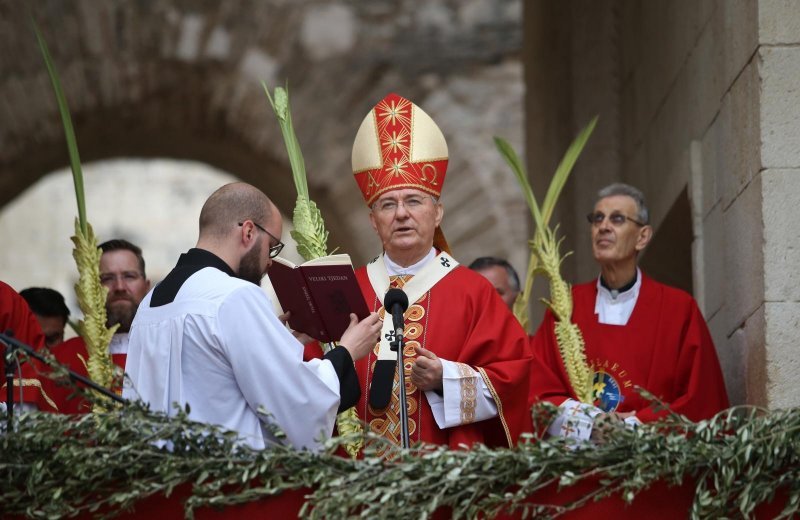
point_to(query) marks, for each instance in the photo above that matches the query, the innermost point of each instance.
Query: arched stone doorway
(183, 81)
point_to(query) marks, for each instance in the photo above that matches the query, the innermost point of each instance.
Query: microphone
(396, 302)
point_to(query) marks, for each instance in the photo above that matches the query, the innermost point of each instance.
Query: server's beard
(250, 265)
(122, 312)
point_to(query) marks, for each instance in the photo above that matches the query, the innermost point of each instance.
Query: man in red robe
(17, 319)
(467, 360)
(122, 273)
(638, 332)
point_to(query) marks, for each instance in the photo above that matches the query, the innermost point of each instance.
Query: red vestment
(664, 348)
(16, 317)
(461, 319)
(72, 354)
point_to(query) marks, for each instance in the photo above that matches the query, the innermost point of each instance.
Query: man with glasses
(468, 359)
(638, 332)
(122, 272)
(207, 337)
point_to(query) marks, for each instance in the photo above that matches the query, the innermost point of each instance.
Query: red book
(320, 294)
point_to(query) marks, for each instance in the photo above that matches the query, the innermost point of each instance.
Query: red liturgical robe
(16, 317)
(460, 319)
(69, 354)
(664, 348)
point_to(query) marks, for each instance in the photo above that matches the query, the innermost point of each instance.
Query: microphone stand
(11, 345)
(397, 345)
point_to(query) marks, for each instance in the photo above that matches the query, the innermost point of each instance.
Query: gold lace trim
(469, 392)
(498, 403)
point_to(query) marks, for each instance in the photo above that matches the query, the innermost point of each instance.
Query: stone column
(779, 56)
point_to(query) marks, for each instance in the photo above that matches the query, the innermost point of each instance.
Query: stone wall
(696, 99)
(182, 80)
(689, 106)
(779, 73)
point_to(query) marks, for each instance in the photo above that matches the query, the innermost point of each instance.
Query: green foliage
(58, 465)
(541, 215)
(309, 229)
(91, 294)
(69, 132)
(280, 105)
(546, 259)
(564, 169)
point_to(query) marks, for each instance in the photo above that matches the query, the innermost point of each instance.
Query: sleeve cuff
(466, 398)
(349, 387)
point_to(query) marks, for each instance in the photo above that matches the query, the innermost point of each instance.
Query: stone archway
(181, 80)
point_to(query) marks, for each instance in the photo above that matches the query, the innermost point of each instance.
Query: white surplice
(219, 348)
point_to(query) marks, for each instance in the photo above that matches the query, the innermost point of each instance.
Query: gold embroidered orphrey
(386, 422)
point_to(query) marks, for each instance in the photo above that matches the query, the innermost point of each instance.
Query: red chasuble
(461, 319)
(16, 317)
(664, 348)
(72, 354)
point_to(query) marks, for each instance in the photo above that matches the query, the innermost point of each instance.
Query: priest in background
(122, 272)
(638, 332)
(467, 358)
(501, 274)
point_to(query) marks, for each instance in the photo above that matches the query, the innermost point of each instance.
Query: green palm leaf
(546, 259)
(309, 232)
(91, 293)
(69, 132)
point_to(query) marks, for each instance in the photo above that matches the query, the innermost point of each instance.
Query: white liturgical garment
(220, 348)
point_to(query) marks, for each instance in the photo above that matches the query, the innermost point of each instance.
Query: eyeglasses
(273, 250)
(126, 277)
(617, 219)
(411, 203)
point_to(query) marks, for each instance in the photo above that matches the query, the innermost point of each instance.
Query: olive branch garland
(59, 465)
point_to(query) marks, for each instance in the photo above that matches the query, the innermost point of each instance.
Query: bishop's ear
(372, 221)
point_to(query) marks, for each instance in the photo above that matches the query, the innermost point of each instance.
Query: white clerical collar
(119, 343)
(397, 270)
(615, 308)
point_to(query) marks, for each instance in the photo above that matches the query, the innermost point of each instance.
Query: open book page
(339, 259)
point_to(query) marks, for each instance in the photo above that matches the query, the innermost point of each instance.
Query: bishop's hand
(426, 372)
